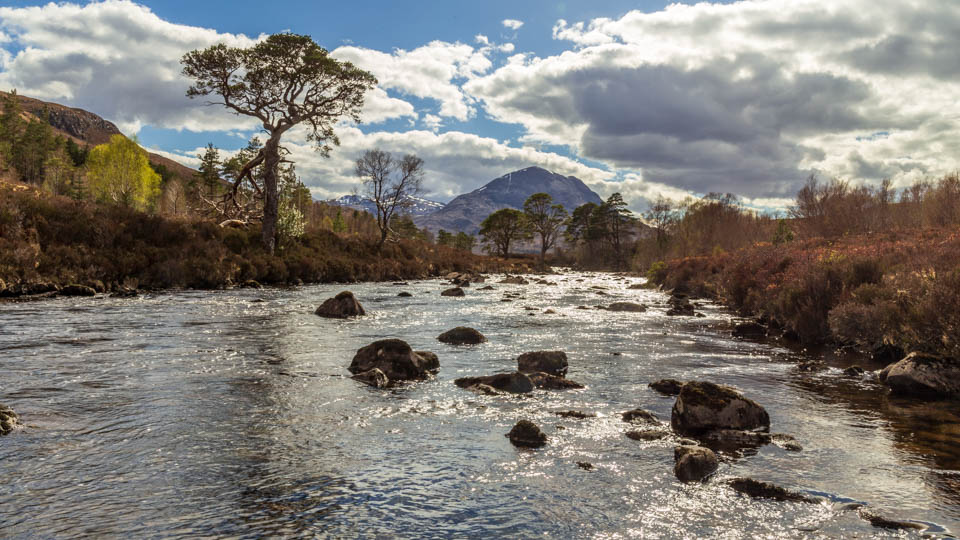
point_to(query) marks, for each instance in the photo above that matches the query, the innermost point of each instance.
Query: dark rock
(750, 330)
(552, 362)
(527, 434)
(921, 374)
(545, 381)
(647, 434)
(395, 359)
(811, 365)
(694, 463)
(430, 361)
(404, 294)
(787, 442)
(585, 466)
(667, 387)
(627, 306)
(884, 522)
(484, 389)
(9, 420)
(514, 280)
(515, 383)
(251, 284)
(549, 312)
(97, 285)
(575, 414)
(400, 283)
(341, 306)
(462, 335)
(763, 490)
(506, 300)
(733, 439)
(125, 293)
(853, 371)
(373, 377)
(640, 416)
(704, 406)
(487, 288)
(77, 290)
(583, 307)
(456, 291)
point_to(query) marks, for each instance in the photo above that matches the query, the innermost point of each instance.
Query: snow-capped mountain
(418, 207)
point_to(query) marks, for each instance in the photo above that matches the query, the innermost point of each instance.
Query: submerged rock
(552, 362)
(9, 420)
(546, 381)
(404, 294)
(462, 335)
(667, 387)
(456, 291)
(575, 414)
(702, 407)
(640, 416)
(395, 359)
(341, 306)
(883, 522)
(527, 434)
(922, 374)
(694, 463)
(763, 490)
(627, 306)
(515, 383)
(647, 434)
(373, 377)
(854, 371)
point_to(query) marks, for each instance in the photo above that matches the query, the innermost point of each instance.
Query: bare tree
(545, 219)
(390, 183)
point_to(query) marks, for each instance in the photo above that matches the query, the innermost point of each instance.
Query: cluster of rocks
(680, 306)
(48, 290)
(464, 279)
(545, 370)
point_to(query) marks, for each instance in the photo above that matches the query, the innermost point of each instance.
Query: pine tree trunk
(271, 161)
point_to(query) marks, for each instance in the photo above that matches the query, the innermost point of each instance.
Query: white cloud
(512, 24)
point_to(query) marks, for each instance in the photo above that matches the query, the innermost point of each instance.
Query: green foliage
(119, 173)
(657, 272)
(338, 225)
(207, 177)
(78, 154)
(464, 241)
(444, 238)
(503, 227)
(26, 145)
(783, 234)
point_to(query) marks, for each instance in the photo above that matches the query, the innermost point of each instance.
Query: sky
(644, 98)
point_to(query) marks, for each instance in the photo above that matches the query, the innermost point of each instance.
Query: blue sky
(643, 98)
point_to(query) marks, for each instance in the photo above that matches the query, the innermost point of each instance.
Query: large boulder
(527, 434)
(8, 420)
(395, 359)
(341, 306)
(515, 383)
(694, 463)
(546, 381)
(552, 362)
(462, 335)
(922, 374)
(373, 377)
(456, 291)
(627, 306)
(702, 407)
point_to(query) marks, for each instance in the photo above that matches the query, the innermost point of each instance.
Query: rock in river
(77, 290)
(395, 359)
(462, 335)
(763, 490)
(527, 434)
(667, 387)
(923, 375)
(456, 291)
(516, 382)
(552, 362)
(341, 306)
(750, 330)
(627, 306)
(704, 406)
(694, 463)
(8, 420)
(640, 416)
(404, 294)
(373, 377)
(546, 381)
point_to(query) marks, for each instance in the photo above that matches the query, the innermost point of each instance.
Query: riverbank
(48, 243)
(870, 292)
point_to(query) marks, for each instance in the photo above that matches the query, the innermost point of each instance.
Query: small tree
(207, 176)
(59, 174)
(464, 241)
(283, 81)
(501, 228)
(661, 216)
(390, 183)
(120, 173)
(617, 220)
(545, 219)
(338, 225)
(444, 238)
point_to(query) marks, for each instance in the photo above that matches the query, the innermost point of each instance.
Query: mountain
(419, 206)
(84, 127)
(467, 211)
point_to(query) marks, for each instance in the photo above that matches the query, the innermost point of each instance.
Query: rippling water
(232, 414)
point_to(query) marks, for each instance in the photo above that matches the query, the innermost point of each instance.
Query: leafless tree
(390, 183)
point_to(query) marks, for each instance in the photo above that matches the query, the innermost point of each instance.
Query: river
(232, 414)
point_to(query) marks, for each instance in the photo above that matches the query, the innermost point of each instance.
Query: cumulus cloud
(512, 24)
(122, 61)
(748, 97)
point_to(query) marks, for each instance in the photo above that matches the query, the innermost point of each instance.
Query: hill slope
(467, 211)
(419, 206)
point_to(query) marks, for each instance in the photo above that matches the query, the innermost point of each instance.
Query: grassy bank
(57, 240)
(899, 288)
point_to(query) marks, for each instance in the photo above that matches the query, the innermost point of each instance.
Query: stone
(251, 284)
(395, 359)
(430, 361)
(575, 414)
(9, 420)
(462, 335)
(627, 306)
(341, 306)
(854, 371)
(883, 522)
(77, 290)
(667, 387)
(526, 434)
(920, 374)
(484, 389)
(763, 490)
(373, 377)
(704, 406)
(787, 442)
(487, 288)
(585, 465)
(749, 330)
(515, 383)
(456, 291)
(546, 381)
(404, 294)
(552, 362)
(694, 463)
(640, 416)
(647, 434)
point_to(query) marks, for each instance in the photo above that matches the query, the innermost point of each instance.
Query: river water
(231, 414)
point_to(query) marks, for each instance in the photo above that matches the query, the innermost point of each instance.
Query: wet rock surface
(552, 362)
(527, 434)
(627, 307)
(763, 490)
(77, 290)
(921, 374)
(667, 387)
(694, 463)
(640, 416)
(703, 406)
(341, 306)
(515, 383)
(373, 377)
(9, 420)
(546, 381)
(462, 335)
(456, 291)
(395, 359)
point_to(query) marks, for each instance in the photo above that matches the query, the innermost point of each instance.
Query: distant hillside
(85, 127)
(466, 212)
(418, 207)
